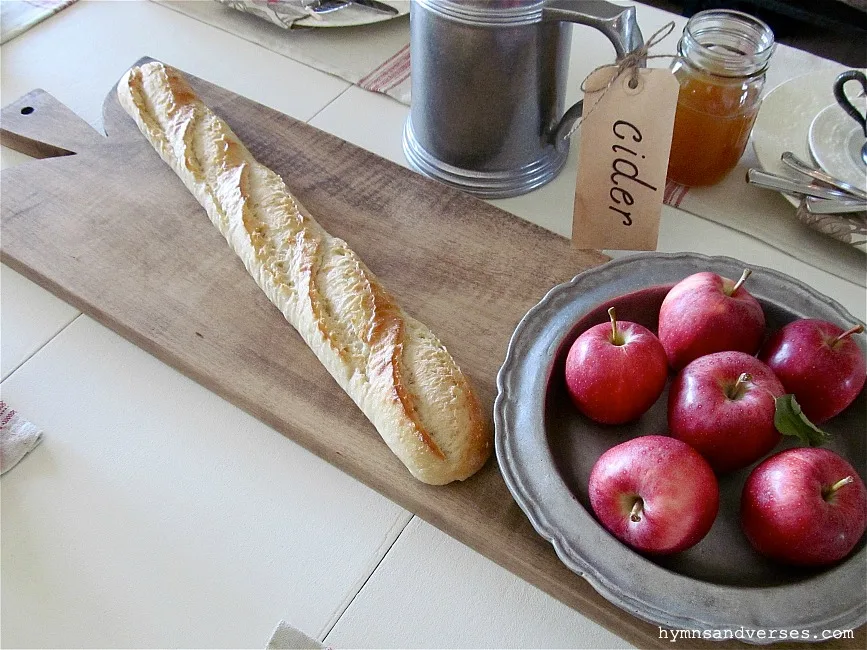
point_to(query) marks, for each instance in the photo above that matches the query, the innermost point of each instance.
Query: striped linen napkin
(17, 16)
(850, 228)
(18, 437)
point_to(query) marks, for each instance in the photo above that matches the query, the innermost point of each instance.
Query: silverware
(833, 206)
(324, 6)
(819, 200)
(782, 184)
(791, 160)
(376, 5)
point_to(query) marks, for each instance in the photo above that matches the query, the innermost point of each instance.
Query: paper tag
(623, 158)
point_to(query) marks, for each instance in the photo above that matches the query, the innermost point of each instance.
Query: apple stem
(737, 389)
(638, 506)
(849, 332)
(616, 339)
(747, 273)
(843, 481)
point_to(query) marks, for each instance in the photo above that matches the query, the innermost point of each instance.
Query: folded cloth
(17, 16)
(282, 13)
(18, 437)
(287, 637)
(850, 228)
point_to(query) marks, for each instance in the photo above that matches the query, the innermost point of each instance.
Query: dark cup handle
(840, 96)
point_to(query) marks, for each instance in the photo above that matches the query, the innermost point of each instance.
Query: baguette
(394, 368)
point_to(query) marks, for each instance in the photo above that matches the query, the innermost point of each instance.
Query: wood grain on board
(114, 232)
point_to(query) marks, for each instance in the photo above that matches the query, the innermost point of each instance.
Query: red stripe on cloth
(6, 418)
(4, 415)
(681, 195)
(669, 190)
(399, 80)
(385, 65)
(674, 193)
(387, 76)
(393, 78)
(378, 69)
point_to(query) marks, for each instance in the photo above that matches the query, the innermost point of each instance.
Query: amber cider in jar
(721, 63)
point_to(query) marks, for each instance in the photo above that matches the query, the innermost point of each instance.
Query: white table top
(157, 514)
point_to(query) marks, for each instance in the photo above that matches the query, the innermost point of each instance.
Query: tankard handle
(617, 23)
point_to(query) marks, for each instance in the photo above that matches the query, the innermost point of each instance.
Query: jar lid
(727, 43)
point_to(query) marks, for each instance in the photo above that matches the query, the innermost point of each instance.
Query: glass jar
(721, 63)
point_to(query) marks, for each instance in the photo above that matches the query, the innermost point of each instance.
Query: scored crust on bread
(393, 367)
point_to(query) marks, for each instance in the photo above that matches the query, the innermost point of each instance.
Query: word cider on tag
(623, 158)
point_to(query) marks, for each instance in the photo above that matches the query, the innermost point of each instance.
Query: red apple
(819, 363)
(655, 494)
(723, 404)
(615, 371)
(707, 313)
(804, 506)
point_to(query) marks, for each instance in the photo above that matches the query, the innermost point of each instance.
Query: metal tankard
(488, 87)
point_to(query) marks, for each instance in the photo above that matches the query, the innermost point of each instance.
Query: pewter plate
(546, 450)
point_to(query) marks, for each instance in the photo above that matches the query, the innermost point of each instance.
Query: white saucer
(835, 141)
(784, 119)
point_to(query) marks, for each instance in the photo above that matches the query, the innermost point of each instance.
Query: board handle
(40, 126)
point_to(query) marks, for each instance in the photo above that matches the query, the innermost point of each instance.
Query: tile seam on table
(330, 102)
(346, 605)
(41, 347)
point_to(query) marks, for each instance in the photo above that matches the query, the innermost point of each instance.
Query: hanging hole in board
(633, 83)
(27, 110)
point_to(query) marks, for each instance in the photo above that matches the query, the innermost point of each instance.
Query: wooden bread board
(112, 231)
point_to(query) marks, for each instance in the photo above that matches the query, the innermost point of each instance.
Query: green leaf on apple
(791, 421)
